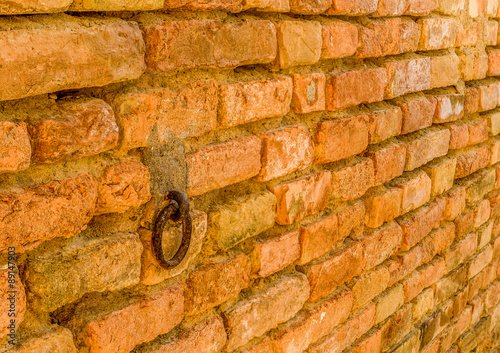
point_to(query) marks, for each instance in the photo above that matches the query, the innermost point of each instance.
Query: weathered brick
(444, 70)
(284, 151)
(422, 304)
(426, 145)
(275, 254)
(442, 174)
(471, 100)
(391, 8)
(476, 8)
(455, 202)
(449, 107)
(203, 5)
(494, 62)
(437, 33)
(451, 7)
(140, 320)
(459, 134)
(342, 88)
(12, 298)
(318, 238)
(418, 112)
(267, 5)
(484, 235)
(308, 92)
(353, 180)
(459, 252)
(396, 327)
(352, 8)
(325, 276)
(407, 75)
(369, 343)
(464, 223)
(58, 340)
(389, 160)
(60, 208)
(494, 147)
(470, 63)
(480, 261)
(490, 29)
(341, 138)
(481, 213)
(416, 190)
(421, 7)
(488, 96)
(389, 36)
(216, 166)
(438, 241)
(493, 120)
(381, 243)
(79, 262)
(478, 130)
(346, 334)
(264, 310)
(113, 5)
(423, 278)
(299, 43)
(264, 346)
(244, 102)
(208, 43)
(384, 123)
(388, 303)
(309, 325)
(340, 39)
(351, 219)
(382, 205)
(15, 146)
(457, 328)
(303, 197)
(213, 284)
(471, 160)
(51, 58)
(309, 7)
(369, 285)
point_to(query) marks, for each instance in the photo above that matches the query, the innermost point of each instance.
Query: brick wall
(341, 157)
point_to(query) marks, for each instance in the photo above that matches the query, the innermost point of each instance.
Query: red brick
(478, 130)
(309, 7)
(309, 325)
(442, 174)
(455, 203)
(389, 160)
(449, 107)
(15, 146)
(51, 58)
(381, 243)
(202, 5)
(384, 123)
(426, 145)
(494, 62)
(318, 238)
(418, 112)
(325, 276)
(216, 166)
(342, 89)
(459, 134)
(122, 186)
(480, 261)
(72, 131)
(308, 92)
(353, 180)
(387, 37)
(444, 70)
(213, 284)
(369, 285)
(346, 334)
(207, 336)
(396, 327)
(421, 7)
(284, 151)
(244, 102)
(303, 197)
(382, 205)
(275, 254)
(488, 96)
(460, 252)
(264, 310)
(407, 75)
(11, 286)
(481, 213)
(140, 321)
(340, 39)
(471, 100)
(464, 223)
(423, 278)
(351, 219)
(208, 43)
(418, 224)
(352, 7)
(437, 33)
(341, 138)
(471, 160)
(416, 190)
(299, 43)
(60, 208)
(58, 340)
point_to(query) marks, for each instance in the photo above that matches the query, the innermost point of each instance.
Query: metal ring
(176, 210)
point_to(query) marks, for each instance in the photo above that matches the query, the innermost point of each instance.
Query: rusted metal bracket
(177, 210)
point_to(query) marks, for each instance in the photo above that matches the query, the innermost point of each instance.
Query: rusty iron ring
(177, 210)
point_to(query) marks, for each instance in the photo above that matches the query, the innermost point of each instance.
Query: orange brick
(351, 219)
(264, 346)
(354, 179)
(480, 66)
(284, 151)
(437, 33)
(471, 100)
(494, 147)
(490, 32)
(382, 205)
(265, 309)
(481, 213)
(325, 276)
(469, 62)
(309, 7)
(418, 113)
(381, 243)
(369, 344)
(308, 92)
(275, 254)
(213, 284)
(244, 102)
(449, 107)
(407, 75)
(369, 285)
(478, 130)
(480, 261)
(423, 278)
(464, 223)
(224, 45)
(442, 174)
(389, 161)
(216, 166)
(340, 39)
(390, 8)
(493, 122)
(438, 240)
(342, 88)
(202, 5)
(309, 325)
(488, 96)
(455, 203)
(299, 43)
(460, 252)
(426, 145)
(388, 303)
(457, 328)
(396, 327)
(416, 190)
(494, 62)
(11, 286)
(389, 36)
(459, 134)
(341, 138)
(318, 238)
(471, 160)
(303, 197)
(352, 8)
(384, 123)
(444, 70)
(15, 146)
(451, 7)
(421, 7)
(267, 6)
(59, 339)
